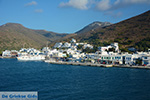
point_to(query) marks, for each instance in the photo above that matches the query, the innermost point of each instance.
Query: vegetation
(15, 36)
(139, 61)
(79, 47)
(111, 49)
(133, 32)
(88, 50)
(143, 45)
(0, 53)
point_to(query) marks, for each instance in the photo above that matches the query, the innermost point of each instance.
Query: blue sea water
(67, 82)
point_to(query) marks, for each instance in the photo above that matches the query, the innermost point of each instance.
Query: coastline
(99, 65)
(92, 64)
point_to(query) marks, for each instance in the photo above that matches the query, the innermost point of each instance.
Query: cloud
(107, 7)
(38, 10)
(31, 3)
(101, 5)
(104, 5)
(79, 4)
(136, 1)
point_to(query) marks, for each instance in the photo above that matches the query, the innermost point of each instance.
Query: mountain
(52, 36)
(15, 36)
(133, 32)
(84, 32)
(93, 26)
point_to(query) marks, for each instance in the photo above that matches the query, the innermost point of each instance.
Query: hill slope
(92, 26)
(14, 36)
(127, 33)
(52, 36)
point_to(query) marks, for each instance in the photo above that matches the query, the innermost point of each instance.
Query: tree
(88, 50)
(111, 49)
(79, 46)
(139, 61)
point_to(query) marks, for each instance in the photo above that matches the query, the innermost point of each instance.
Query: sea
(68, 82)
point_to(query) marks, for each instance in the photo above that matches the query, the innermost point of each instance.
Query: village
(69, 52)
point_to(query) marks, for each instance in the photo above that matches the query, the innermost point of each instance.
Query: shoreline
(92, 64)
(98, 65)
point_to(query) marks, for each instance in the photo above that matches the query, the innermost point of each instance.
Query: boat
(31, 57)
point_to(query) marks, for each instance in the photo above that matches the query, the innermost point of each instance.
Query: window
(145, 57)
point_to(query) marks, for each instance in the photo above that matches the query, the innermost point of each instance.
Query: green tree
(88, 50)
(139, 61)
(79, 46)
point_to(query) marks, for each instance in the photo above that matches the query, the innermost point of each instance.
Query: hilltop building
(72, 45)
(113, 45)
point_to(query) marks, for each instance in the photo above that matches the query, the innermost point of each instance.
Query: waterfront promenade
(97, 65)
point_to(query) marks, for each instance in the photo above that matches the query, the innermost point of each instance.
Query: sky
(68, 16)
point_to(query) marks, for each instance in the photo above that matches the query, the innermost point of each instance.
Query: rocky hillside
(93, 26)
(133, 32)
(14, 36)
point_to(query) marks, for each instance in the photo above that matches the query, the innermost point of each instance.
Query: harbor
(80, 64)
(70, 54)
(97, 65)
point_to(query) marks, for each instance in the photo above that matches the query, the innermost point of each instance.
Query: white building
(44, 49)
(58, 45)
(128, 59)
(113, 45)
(6, 53)
(146, 60)
(59, 54)
(73, 41)
(87, 46)
(66, 45)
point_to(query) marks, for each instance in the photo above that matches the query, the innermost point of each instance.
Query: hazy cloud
(136, 1)
(105, 5)
(102, 5)
(108, 7)
(79, 4)
(31, 3)
(38, 11)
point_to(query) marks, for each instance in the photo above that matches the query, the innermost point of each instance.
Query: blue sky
(68, 16)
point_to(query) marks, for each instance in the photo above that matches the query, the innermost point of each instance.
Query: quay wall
(99, 65)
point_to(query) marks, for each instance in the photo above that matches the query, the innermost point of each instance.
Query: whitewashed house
(146, 60)
(66, 45)
(6, 53)
(87, 46)
(58, 45)
(113, 45)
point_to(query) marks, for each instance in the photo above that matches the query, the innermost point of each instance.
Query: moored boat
(31, 57)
